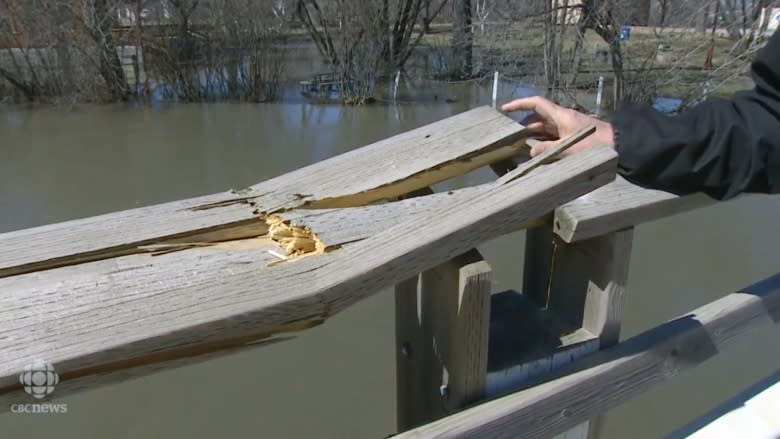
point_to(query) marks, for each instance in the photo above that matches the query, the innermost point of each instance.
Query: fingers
(537, 104)
(542, 146)
(533, 123)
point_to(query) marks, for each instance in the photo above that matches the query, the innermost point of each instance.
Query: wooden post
(615, 375)
(442, 325)
(582, 282)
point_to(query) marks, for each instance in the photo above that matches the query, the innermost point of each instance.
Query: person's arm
(722, 147)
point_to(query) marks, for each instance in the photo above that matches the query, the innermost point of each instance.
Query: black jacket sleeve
(722, 147)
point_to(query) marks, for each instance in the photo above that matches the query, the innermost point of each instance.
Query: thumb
(540, 146)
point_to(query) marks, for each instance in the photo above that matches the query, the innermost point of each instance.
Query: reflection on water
(336, 381)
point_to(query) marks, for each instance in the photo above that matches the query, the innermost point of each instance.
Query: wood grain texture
(114, 234)
(583, 282)
(607, 284)
(575, 279)
(385, 169)
(442, 344)
(618, 206)
(574, 347)
(112, 314)
(608, 378)
(400, 164)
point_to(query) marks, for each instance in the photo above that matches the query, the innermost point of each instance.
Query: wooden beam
(608, 378)
(139, 309)
(442, 344)
(527, 343)
(618, 206)
(607, 259)
(582, 282)
(385, 169)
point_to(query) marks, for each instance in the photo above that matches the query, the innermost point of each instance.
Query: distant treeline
(196, 50)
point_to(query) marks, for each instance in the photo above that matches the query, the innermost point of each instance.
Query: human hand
(552, 123)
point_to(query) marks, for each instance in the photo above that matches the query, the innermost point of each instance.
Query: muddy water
(336, 381)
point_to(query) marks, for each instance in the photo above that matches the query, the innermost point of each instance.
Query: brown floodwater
(337, 380)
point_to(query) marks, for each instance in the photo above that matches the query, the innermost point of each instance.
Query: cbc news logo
(39, 379)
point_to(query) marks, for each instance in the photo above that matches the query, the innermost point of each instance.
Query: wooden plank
(468, 343)
(385, 169)
(538, 344)
(411, 346)
(442, 347)
(533, 371)
(607, 258)
(527, 343)
(583, 282)
(401, 164)
(618, 206)
(610, 377)
(70, 386)
(412, 403)
(139, 309)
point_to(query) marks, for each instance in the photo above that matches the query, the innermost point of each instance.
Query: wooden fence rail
(604, 380)
(125, 294)
(126, 291)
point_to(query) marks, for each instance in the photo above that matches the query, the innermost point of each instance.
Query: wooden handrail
(612, 376)
(617, 206)
(106, 294)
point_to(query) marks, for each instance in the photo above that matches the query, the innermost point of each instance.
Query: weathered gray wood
(468, 343)
(583, 282)
(607, 259)
(442, 346)
(385, 169)
(618, 206)
(134, 310)
(527, 343)
(610, 377)
(118, 234)
(573, 347)
(410, 357)
(72, 384)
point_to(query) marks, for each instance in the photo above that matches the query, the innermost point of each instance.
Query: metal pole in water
(599, 92)
(495, 88)
(395, 86)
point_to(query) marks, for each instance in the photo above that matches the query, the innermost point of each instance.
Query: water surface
(337, 380)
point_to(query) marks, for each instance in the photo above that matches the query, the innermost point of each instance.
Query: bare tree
(364, 40)
(98, 19)
(462, 42)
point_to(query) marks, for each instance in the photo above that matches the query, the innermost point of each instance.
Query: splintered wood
(89, 297)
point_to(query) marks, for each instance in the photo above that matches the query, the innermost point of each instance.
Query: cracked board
(125, 310)
(383, 170)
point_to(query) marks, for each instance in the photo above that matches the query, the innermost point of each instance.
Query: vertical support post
(582, 282)
(442, 326)
(395, 85)
(599, 93)
(495, 89)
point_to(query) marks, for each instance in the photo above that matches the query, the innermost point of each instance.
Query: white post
(395, 86)
(598, 95)
(495, 88)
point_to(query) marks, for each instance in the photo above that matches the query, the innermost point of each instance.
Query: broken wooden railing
(126, 293)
